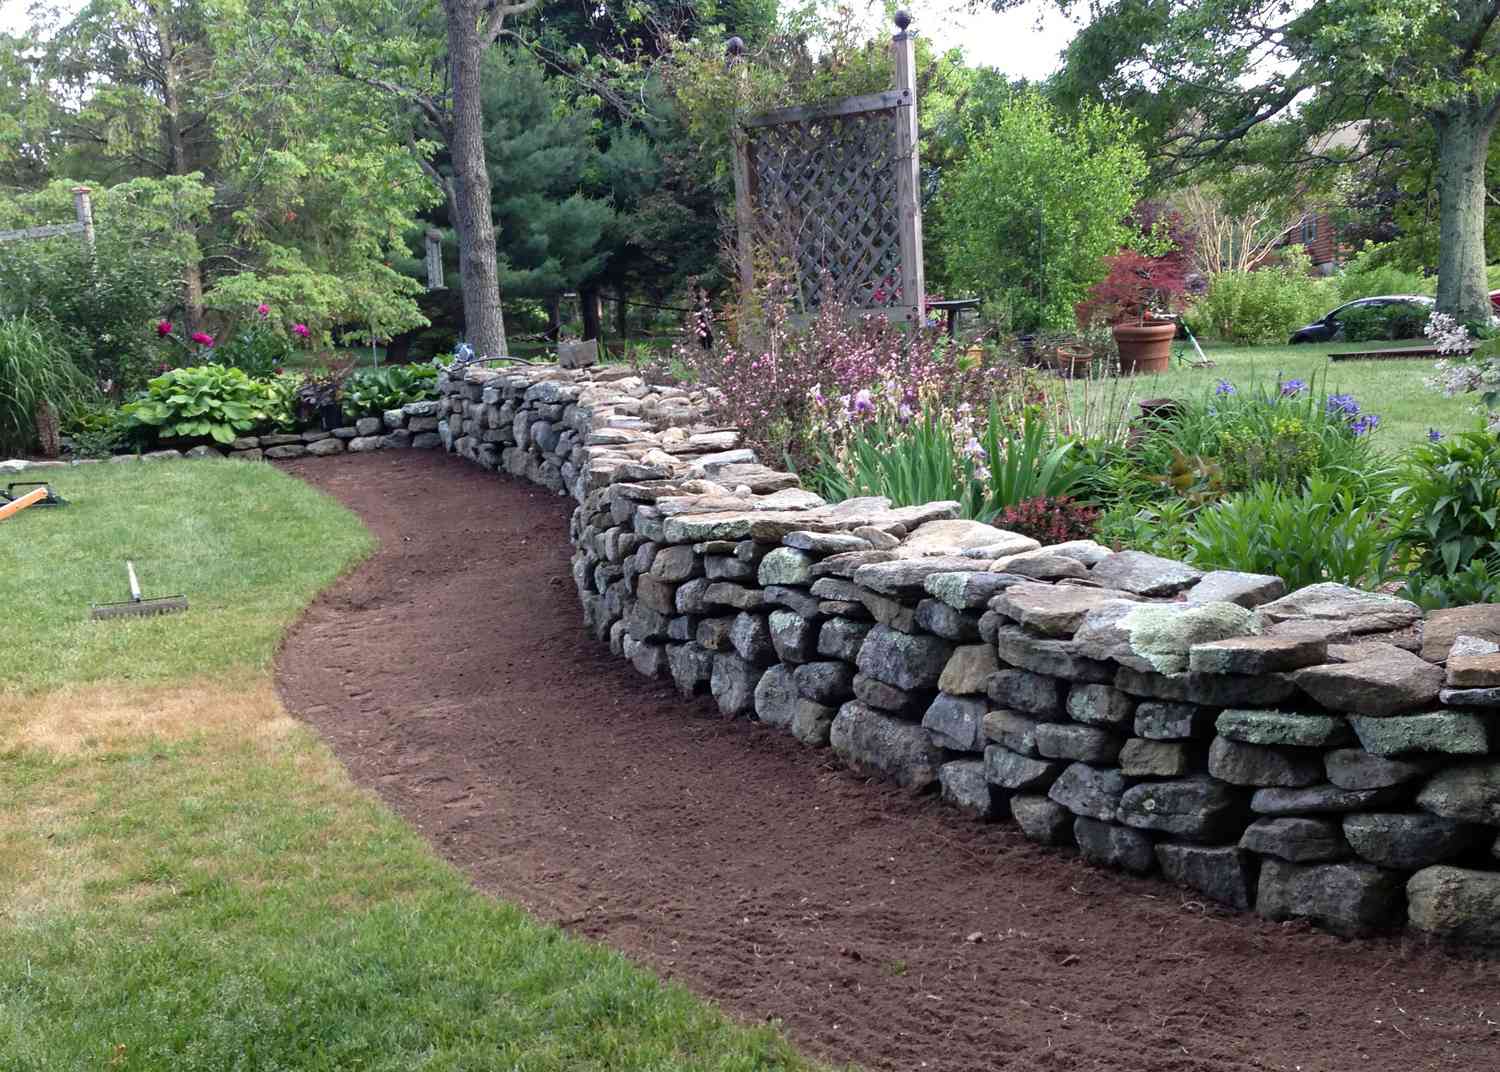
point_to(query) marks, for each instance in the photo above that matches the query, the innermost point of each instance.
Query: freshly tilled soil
(451, 674)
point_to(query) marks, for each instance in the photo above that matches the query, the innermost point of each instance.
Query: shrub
(205, 401)
(1376, 323)
(94, 429)
(1265, 305)
(370, 392)
(1474, 582)
(1451, 504)
(1049, 519)
(1370, 273)
(1039, 201)
(1318, 532)
(37, 378)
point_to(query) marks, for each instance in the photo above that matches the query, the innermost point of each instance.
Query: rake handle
(15, 506)
(135, 585)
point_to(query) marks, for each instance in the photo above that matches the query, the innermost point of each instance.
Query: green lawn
(1392, 389)
(189, 880)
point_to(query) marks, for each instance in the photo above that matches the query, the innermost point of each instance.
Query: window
(1309, 230)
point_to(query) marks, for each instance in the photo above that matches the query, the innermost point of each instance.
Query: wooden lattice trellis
(830, 190)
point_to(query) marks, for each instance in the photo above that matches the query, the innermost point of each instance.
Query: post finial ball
(735, 46)
(903, 20)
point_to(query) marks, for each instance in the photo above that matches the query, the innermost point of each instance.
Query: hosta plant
(202, 401)
(370, 392)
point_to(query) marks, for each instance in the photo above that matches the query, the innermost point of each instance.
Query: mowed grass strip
(189, 880)
(1393, 389)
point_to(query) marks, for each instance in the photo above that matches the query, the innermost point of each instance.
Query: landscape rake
(136, 607)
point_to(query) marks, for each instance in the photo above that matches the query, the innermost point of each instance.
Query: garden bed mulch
(452, 676)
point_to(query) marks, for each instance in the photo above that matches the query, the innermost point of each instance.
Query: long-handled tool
(138, 607)
(10, 506)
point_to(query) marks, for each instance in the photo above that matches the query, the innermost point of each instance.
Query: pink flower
(203, 338)
(301, 331)
(263, 309)
(163, 328)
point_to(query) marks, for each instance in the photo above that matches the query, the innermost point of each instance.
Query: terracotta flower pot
(1145, 347)
(1070, 361)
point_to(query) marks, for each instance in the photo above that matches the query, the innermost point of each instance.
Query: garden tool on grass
(40, 495)
(138, 607)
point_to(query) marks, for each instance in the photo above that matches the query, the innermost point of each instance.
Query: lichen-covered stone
(1016, 732)
(1350, 899)
(949, 537)
(908, 703)
(969, 670)
(1443, 627)
(732, 683)
(1360, 611)
(840, 638)
(1318, 799)
(1469, 793)
(1229, 586)
(1406, 841)
(961, 783)
(750, 636)
(794, 638)
(1354, 768)
(969, 589)
(1283, 728)
(676, 564)
(785, 565)
(1159, 636)
(829, 682)
(1100, 705)
(1053, 610)
(1257, 654)
(1088, 744)
(904, 578)
(776, 697)
(1210, 690)
(1016, 773)
(1027, 693)
(1174, 721)
(1041, 820)
(692, 667)
(811, 722)
(1455, 733)
(1054, 658)
(1140, 758)
(1093, 792)
(1392, 683)
(867, 739)
(1109, 845)
(1297, 839)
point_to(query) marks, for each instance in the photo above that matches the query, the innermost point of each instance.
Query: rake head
(144, 608)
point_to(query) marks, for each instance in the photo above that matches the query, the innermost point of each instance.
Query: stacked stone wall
(1327, 754)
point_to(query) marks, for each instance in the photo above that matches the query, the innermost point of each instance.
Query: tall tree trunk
(622, 314)
(476, 228)
(554, 317)
(171, 82)
(1463, 134)
(588, 297)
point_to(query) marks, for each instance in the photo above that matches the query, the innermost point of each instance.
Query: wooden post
(434, 259)
(908, 180)
(744, 191)
(84, 208)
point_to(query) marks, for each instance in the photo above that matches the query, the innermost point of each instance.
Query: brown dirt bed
(451, 674)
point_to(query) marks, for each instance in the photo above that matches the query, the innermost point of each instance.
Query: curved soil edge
(451, 674)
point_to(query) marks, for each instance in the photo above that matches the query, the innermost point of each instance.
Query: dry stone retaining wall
(1326, 753)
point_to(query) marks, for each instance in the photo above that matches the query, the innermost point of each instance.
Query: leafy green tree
(1030, 214)
(1221, 82)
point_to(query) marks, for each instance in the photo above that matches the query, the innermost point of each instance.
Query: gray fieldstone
(969, 670)
(1043, 566)
(956, 722)
(1195, 808)
(691, 666)
(870, 740)
(1228, 586)
(361, 444)
(1469, 793)
(205, 451)
(797, 600)
(1406, 841)
(1455, 904)
(1474, 671)
(1108, 845)
(1470, 697)
(1256, 765)
(776, 697)
(1100, 705)
(733, 684)
(1144, 574)
(1140, 758)
(1158, 636)
(1017, 773)
(1284, 728)
(907, 703)
(1354, 768)
(727, 568)
(785, 565)
(1442, 627)
(949, 537)
(688, 598)
(905, 578)
(1257, 654)
(286, 450)
(1041, 820)
(961, 783)
(367, 426)
(280, 440)
(825, 682)
(1088, 552)
(1054, 658)
(1086, 744)
(1016, 732)
(426, 441)
(1027, 693)
(243, 443)
(653, 592)
(1350, 899)
(1054, 610)
(676, 564)
(1222, 873)
(253, 455)
(1319, 799)
(1392, 683)
(944, 621)
(1360, 611)
(908, 662)
(1210, 690)
(793, 637)
(728, 594)
(1174, 721)
(877, 538)
(826, 543)
(1093, 792)
(812, 722)
(840, 638)
(1456, 733)
(1297, 839)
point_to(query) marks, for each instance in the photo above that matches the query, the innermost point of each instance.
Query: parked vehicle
(1330, 326)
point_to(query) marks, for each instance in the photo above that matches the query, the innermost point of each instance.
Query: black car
(1329, 328)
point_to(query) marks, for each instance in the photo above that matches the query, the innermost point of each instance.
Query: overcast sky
(1021, 43)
